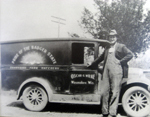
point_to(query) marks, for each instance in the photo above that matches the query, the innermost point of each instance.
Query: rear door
(82, 79)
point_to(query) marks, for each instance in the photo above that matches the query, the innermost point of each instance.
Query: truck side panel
(49, 60)
(12, 79)
(49, 53)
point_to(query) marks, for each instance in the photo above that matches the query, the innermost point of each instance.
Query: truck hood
(136, 75)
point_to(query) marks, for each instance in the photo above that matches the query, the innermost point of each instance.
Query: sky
(30, 19)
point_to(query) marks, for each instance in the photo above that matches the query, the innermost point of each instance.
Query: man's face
(112, 39)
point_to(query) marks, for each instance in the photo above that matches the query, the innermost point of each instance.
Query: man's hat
(113, 32)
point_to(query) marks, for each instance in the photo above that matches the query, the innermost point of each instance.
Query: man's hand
(88, 65)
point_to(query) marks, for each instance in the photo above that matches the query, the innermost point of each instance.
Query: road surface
(12, 107)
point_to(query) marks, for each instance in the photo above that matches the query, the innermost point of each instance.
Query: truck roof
(54, 39)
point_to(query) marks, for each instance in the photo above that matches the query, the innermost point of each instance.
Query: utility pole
(58, 21)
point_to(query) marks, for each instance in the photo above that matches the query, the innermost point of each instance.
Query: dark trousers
(125, 70)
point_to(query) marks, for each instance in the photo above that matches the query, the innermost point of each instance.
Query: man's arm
(95, 63)
(128, 55)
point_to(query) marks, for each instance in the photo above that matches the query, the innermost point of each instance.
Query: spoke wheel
(35, 98)
(136, 102)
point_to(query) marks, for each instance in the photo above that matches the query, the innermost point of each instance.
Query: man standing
(115, 67)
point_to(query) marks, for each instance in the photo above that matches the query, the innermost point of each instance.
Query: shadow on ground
(69, 108)
(18, 104)
(77, 108)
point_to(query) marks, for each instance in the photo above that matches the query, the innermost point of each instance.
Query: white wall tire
(136, 102)
(35, 98)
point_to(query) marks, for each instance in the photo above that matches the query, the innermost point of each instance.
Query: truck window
(82, 53)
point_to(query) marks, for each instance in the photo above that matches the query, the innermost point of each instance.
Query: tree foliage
(127, 17)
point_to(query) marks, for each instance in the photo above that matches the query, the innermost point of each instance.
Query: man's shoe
(112, 116)
(105, 115)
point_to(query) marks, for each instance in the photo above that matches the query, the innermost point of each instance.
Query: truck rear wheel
(136, 102)
(35, 98)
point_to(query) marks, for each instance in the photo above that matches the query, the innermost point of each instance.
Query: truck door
(82, 79)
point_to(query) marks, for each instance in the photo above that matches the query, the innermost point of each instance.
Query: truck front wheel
(136, 102)
(35, 98)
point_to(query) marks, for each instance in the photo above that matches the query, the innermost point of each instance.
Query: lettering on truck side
(33, 47)
(92, 76)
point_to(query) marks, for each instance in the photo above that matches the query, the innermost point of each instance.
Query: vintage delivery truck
(55, 70)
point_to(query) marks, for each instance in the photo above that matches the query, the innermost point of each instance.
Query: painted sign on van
(33, 55)
(82, 82)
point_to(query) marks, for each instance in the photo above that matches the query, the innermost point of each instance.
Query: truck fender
(142, 80)
(36, 80)
(132, 84)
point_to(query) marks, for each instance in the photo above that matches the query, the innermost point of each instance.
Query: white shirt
(112, 49)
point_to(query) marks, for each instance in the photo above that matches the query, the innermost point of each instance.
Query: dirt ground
(12, 107)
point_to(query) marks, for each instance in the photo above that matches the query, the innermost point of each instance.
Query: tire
(136, 102)
(35, 98)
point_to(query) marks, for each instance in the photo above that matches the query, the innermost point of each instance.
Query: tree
(127, 17)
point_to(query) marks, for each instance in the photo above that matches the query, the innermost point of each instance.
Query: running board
(76, 99)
